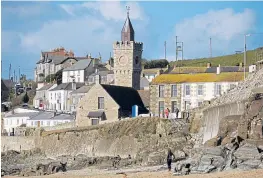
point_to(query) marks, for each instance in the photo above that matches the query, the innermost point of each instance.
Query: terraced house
(191, 89)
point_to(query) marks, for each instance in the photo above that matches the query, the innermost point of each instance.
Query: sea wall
(212, 117)
(136, 137)
(17, 143)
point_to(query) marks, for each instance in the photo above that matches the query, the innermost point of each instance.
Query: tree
(58, 76)
(25, 99)
(162, 63)
(50, 78)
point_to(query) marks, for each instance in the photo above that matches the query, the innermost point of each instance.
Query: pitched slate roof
(80, 65)
(145, 96)
(125, 97)
(67, 86)
(50, 116)
(199, 77)
(83, 89)
(8, 83)
(46, 87)
(226, 69)
(95, 113)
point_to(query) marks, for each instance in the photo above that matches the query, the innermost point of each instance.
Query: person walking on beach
(170, 157)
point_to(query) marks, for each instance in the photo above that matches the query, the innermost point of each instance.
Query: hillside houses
(190, 89)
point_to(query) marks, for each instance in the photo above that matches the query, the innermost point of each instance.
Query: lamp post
(245, 53)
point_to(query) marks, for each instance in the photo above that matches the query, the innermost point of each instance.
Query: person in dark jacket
(170, 157)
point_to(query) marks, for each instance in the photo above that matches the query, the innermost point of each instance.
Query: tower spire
(128, 9)
(127, 33)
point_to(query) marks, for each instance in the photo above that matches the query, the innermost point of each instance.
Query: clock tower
(127, 57)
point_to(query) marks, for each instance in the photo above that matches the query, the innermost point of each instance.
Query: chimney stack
(218, 69)
(208, 65)
(97, 79)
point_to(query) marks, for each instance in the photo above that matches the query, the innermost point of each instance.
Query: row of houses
(21, 117)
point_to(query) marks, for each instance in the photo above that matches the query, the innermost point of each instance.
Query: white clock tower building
(127, 58)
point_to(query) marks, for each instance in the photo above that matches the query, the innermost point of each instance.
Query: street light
(245, 53)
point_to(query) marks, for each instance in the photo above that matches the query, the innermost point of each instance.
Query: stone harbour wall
(17, 143)
(212, 117)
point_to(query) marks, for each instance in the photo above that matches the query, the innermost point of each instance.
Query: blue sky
(92, 27)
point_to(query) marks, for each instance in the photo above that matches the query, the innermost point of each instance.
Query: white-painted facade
(41, 97)
(194, 94)
(59, 100)
(10, 123)
(150, 77)
(46, 123)
(77, 75)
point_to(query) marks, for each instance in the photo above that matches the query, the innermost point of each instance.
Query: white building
(80, 71)
(59, 97)
(13, 121)
(49, 119)
(194, 94)
(40, 100)
(187, 91)
(32, 118)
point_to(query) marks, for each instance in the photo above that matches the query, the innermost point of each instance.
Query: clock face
(123, 60)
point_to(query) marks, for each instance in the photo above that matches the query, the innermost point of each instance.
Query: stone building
(52, 61)
(107, 103)
(186, 91)
(127, 58)
(77, 95)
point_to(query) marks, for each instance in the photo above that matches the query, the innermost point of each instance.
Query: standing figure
(176, 110)
(170, 157)
(166, 112)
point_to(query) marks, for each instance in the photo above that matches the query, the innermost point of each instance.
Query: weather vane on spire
(128, 9)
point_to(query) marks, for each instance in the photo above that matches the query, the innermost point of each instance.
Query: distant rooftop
(80, 65)
(199, 77)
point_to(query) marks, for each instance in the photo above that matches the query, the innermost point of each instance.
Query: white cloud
(225, 27)
(83, 34)
(114, 10)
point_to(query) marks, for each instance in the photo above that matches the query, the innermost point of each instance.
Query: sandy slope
(148, 173)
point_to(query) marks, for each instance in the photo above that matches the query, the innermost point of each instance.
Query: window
(48, 123)
(174, 105)
(35, 123)
(161, 91)
(55, 122)
(101, 103)
(17, 122)
(51, 96)
(94, 121)
(161, 107)
(41, 123)
(200, 90)
(200, 103)
(187, 89)
(174, 90)
(32, 123)
(218, 89)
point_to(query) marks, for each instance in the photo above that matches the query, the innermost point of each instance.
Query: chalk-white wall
(77, 74)
(59, 100)
(45, 123)
(209, 92)
(13, 122)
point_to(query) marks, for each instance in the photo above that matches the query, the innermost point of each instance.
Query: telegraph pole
(9, 71)
(176, 48)
(19, 74)
(165, 50)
